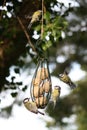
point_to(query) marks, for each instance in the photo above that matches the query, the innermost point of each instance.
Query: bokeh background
(64, 44)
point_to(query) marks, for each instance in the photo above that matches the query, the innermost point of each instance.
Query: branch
(42, 19)
(26, 34)
(2, 6)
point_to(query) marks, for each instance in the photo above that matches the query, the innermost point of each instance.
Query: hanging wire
(42, 30)
(41, 86)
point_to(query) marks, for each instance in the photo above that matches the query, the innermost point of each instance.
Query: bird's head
(61, 75)
(58, 88)
(26, 100)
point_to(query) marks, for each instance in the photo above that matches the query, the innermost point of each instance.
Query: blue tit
(55, 94)
(66, 79)
(31, 106)
(35, 17)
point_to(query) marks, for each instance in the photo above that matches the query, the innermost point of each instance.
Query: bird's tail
(54, 104)
(72, 85)
(41, 113)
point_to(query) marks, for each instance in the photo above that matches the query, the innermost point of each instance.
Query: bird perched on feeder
(31, 106)
(35, 17)
(55, 94)
(66, 79)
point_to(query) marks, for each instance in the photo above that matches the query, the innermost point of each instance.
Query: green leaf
(14, 94)
(46, 45)
(47, 17)
(37, 28)
(16, 70)
(19, 83)
(24, 88)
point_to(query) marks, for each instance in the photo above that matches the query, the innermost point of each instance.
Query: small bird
(35, 17)
(55, 94)
(66, 79)
(31, 106)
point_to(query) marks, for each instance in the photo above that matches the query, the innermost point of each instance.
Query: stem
(26, 34)
(42, 30)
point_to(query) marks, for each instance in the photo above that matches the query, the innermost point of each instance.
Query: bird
(55, 94)
(35, 17)
(64, 77)
(31, 106)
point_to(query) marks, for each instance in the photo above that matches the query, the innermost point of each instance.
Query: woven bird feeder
(41, 85)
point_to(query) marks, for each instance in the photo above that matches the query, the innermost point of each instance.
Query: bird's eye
(56, 88)
(26, 100)
(61, 75)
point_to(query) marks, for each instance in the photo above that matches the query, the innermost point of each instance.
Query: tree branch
(42, 19)
(2, 6)
(26, 34)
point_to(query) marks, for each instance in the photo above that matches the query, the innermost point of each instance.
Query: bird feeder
(41, 86)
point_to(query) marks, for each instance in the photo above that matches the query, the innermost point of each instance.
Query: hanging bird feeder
(41, 85)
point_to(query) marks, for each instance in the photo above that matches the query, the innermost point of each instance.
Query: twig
(42, 30)
(2, 10)
(26, 34)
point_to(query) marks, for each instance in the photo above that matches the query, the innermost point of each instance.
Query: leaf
(14, 94)
(13, 87)
(12, 78)
(24, 88)
(16, 70)
(46, 45)
(37, 28)
(47, 17)
(19, 83)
